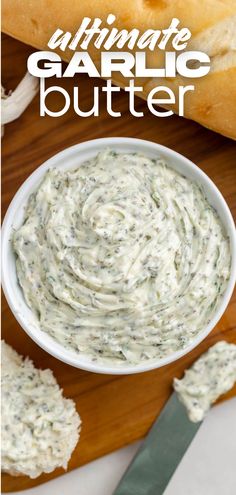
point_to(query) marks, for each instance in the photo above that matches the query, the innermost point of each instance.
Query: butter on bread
(39, 428)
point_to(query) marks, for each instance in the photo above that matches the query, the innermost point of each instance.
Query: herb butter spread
(40, 428)
(122, 259)
(213, 374)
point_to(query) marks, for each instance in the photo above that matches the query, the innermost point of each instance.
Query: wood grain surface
(115, 410)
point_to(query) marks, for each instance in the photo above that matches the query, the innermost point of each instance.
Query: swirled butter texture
(123, 259)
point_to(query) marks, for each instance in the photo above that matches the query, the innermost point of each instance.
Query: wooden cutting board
(115, 410)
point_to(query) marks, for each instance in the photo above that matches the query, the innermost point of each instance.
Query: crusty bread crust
(213, 27)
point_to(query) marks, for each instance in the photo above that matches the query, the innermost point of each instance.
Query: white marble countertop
(208, 467)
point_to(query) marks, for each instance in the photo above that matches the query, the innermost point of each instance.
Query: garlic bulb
(14, 103)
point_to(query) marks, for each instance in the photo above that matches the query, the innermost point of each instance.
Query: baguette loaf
(211, 22)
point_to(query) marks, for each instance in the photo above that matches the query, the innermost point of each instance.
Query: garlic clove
(14, 104)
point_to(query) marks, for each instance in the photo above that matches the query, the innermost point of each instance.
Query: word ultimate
(124, 66)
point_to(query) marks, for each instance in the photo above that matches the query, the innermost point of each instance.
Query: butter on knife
(213, 374)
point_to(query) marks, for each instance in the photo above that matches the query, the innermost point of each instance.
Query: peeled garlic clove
(14, 104)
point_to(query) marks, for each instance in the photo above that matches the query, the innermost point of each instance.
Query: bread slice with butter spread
(40, 428)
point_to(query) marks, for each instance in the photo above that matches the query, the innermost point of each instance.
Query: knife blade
(160, 453)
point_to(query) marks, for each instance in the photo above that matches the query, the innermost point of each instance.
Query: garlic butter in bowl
(118, 255)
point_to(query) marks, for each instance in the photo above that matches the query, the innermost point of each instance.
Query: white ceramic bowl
(72, 157)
